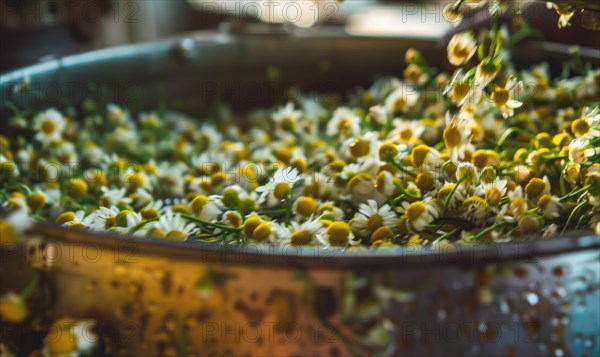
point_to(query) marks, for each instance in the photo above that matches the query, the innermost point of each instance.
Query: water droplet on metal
(504, 307)
(589, 342)
(532, 298)
(441, 315)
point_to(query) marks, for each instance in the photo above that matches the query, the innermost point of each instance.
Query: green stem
(457, 5)
(210, 224)
(563, 188)
(574, 193)
(583, 203)
(489, 229)
(30, 286)
(451, 194)
(288, 208)
(447, 235)
(399, 167)
(508, 133)
(141, 224)
(406, 193)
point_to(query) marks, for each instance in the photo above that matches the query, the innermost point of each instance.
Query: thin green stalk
(491, 228)
(451, 194)
(580, 205)
(575, 193)
(210, 224)
(447, 235)
(141, 224)
(30, 286)
(399, 167)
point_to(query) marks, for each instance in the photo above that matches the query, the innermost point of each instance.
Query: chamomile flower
(77, 220)
(417, 215)
(172, 227)
(456, 135)
(344, 123)
(401, 99)
(205, 208)
(103, 218)
(338, 234)
(49, 125)
(279, 186)
(287, 118)
(70, 337)
(461, 48)
(493, 191)
(307, 233)
(13, 227)
(114, 197)
(505, 97)
(550, 206)
(371, 217)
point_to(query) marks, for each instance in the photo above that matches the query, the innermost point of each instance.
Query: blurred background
(37, 30)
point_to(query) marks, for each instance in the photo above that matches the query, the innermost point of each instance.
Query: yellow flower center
(500, 96)
(63, 342)
(419, 154)
(299, 164)
(475, 201)
(48, 126)
(488, 174)
(425, 181)
(493, 196)
(415, 210)
(544, 201)
(412, 73)
(406, 134)
(580, 127)
(180, 208)
(65, 217)
(77, 225)
(198, 203)
(459, 91)
(306, 206)
(399, 105)
(387, 151)
(359, 147)
(6, 233)
(250, 225)
(282, 189)
(176, 235)
(158, 233)
(262, 232)
(572, 173)
(12, 308)
(535, 187)
(339, 233)
(374, 222)
(343, 124)
(110, 222)
(452, 137)
(288, 124)
(217, 178)
(300, 237)
(36, 201)
(135, 180)
(77, 188)
(149, 213)
(382, 234)
(234, 219)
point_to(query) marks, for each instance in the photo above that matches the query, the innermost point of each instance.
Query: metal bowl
(151, 297)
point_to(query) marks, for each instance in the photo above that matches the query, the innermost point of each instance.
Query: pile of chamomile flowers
(485, 154)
